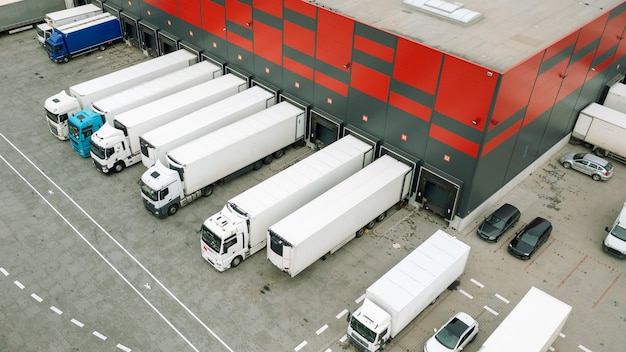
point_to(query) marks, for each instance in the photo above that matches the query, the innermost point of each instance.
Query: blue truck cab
(81, 126)
(83, 36)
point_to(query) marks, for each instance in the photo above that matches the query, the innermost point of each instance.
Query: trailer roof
(87, 22)
(72, 11)
(604, 113)
(508, 32)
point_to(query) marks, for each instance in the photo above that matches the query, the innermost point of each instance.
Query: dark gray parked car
(528, 240)
(498, 222)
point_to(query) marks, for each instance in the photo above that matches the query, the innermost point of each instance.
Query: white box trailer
(59, 106)
(155, 143)
(83, 124)
(195, 167)
(604, 129)
(538, 318)
(616, 97)
(341, 214)
(401, 294)
(62, 17)
(116, 147)
(243, 222)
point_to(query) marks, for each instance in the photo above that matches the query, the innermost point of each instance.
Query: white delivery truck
(341, 214)
(616, 97)
(240, 228)
(532, 326)
(615, 240)
(62, 17)
(59, 106)
(155, 143)
(88, 121)
(116, 147)
(195, 167)
(401, 294)
(604, 129)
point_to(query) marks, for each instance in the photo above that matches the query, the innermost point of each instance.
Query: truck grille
(358, 342)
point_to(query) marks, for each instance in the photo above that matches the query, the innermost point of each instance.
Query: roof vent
(456, 12)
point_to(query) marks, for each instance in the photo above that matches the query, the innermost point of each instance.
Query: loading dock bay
(83, 265)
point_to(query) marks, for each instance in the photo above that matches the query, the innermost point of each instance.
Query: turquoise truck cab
(81, 126)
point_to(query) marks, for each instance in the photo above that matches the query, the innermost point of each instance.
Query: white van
(615, 241)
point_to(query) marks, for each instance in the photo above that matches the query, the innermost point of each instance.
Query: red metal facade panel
(515, 89)
(417, 65)
(151, 2)
(240, 41)
(545, 92)
(190, 11)
(268, 43)
(169, 6)
(410, 106)
(592, 31)
(301, 7)
(560, 46)
(453, 140)
(331, 83)
(370, 81)
(299, 38)
(465, 92)
(501, 138)
(576, 76)
(272, 7)
(334, 38)
(213, 18)
(298, 68)
(373, 48)
(238, 13)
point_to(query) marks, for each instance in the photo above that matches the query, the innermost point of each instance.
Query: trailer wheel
(257, 165)
(268, 159)
(370, 225)
(207, 191)
(278, 154)
(172, 209)
(236, 262)
(360, 232)
(601, 152)
(102, 47)
(119, 166)
(567, 165)
(381, 217)
(66, 59)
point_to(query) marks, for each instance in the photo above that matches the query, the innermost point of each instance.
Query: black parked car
(527, 241)
(498, 222)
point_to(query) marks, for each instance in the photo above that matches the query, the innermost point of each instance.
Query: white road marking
(466, 294)
(6, 273)
(123, 348)
(77, 323)
(584, 348)
(37, 298)
(56, 310)
(503, 299)
(19, 284)
(299, 347)
(321, 330)
(358, 300)
(343, 338)
(341, 314)
(99, 335)
(562, 335)
(477, 283)
(491, 311)
(119, 245)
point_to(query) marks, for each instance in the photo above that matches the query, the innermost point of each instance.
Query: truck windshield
(357, 326)
(211, 240)
(149, 192)
(619, 232)
(56, 118)
(97, 150)
(73, 130)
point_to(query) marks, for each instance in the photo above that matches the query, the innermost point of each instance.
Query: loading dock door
(406, 158)
(437, 191)
(130, 29)
(167, 43)
(324, 129)
(148, 39)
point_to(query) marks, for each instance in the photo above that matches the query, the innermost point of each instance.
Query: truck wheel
(268, 159)
(235, 262)
(595, 177)
(257, 165)
(66, 59)
(119, 166)
(172, 209)
(360, 232)
(102, 47)
(381, 217)
(207, 191)
(601, 152)
(567, 165)
(370, 225)
(278, 154)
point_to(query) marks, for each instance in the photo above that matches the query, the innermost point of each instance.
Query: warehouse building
(473, 95)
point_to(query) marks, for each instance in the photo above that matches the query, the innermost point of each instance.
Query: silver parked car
(588, 164)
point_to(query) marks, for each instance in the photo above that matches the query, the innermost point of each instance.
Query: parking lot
(84, 267)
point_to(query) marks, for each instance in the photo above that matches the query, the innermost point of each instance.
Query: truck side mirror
(606, 229)
(348, 317)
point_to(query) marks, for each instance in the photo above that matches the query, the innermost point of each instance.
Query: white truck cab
(58, 109)
(226, 234)
(615, 241)
(161, 187)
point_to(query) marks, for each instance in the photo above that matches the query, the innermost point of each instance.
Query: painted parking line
(502, 299)
(490, 310)
(343, 338)
(606, 290)
(56, 310)
(4, 272)
(466, 294)
(321, 330)
(123, 348)
(584, 348)
(477, 283)
(571, 272)
(37, 298)
(77, 323)
(358, 300)
(300, 346)
(99, 335)
(341, 314)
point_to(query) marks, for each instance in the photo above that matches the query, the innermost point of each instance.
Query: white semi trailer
(194, 168)
(116, 147)
(59, 18)
(532, 326)
(240, 228)
(616, 97)
(603, 129)
(341, 214)
(59, 106)
(155, 143)
(401, 294)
